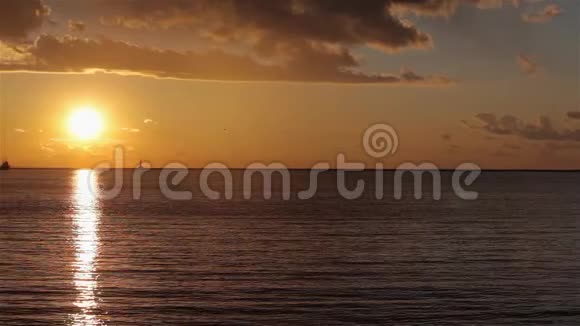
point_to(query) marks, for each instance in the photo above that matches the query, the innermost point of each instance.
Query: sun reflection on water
(86, 241)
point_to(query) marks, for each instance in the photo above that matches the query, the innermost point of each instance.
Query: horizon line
(308, 169)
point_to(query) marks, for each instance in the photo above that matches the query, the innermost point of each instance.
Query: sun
(85, 123)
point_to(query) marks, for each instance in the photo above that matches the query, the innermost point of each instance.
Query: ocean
(508, 258)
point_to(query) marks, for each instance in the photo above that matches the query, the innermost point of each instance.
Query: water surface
(508, 258)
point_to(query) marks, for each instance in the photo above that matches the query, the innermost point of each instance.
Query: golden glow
(85, 123)
(85, 226)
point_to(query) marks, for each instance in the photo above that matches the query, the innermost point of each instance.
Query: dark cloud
(512, 126)
(290, 40)
(573, 114)
(76, 26)
(272, 22)
(20, 17)
(544, 15)
(326, 64)
(446, 137)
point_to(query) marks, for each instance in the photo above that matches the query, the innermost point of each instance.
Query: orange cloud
(76, 26)
(509, 125)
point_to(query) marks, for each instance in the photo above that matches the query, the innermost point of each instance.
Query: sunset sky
(486, 81)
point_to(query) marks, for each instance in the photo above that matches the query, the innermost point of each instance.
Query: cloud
(150, 122)
(527, 64)
(311, 64)
(543, 16)
(48, 148)
(20, 17)
(509, 125)
(56, 146)
(20, 130)
(277, 24)
(9, 53)
(76, 26)
(573, 114)
(53, 148)
(274, 24)
(249, 40)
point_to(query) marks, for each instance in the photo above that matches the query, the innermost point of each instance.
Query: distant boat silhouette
(3, 157)
(5, 166)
